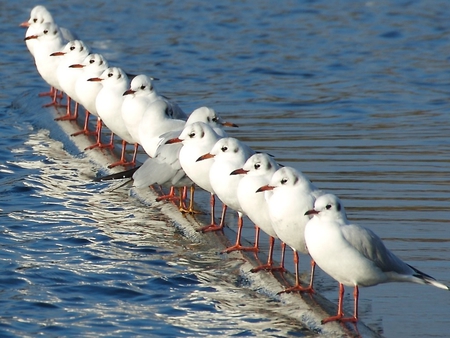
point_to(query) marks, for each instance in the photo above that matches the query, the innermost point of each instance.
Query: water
(355, 94)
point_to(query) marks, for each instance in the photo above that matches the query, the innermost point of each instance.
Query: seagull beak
(25, 24)
(229, 124)
(204, 157)
(95, 79)
(76, 66)
(30, 37)
(265, 188)
(311, 212)
(174, 140)
(239, 171)
(57, 54)
(129, 91)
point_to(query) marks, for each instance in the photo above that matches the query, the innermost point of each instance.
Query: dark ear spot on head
(338, 207)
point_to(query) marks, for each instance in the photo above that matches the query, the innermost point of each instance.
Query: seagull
(136, 101)
(156, 121)
(353, 255)
(229, 154)
(38, 15)
(202, 130)
(48, 40)
(86, 91)
(109, 108)
(73, 52)
(165, 168)
(293, 195)
(256, 172)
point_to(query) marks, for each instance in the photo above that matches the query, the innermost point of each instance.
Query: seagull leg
(269, 265)
(99, 143)
(136, 148)
(55, 98)
(123, 161)
(85, 130)
(283, 251)
(297, 287)
(190, 209)
(238, 245)
(68, 115)
(213, 226)
(50, 93)
(169, 197)
(340, 315)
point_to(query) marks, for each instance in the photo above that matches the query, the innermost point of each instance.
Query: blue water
(354, 94)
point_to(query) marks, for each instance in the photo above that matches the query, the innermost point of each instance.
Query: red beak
(95, 79)
(57, 54)
(129, 91)
(229, 124)
(76, 66)
(204, 157)
(265, 188)
(25, 24)
(239, 171)
(30, 37)
(174, 140)
(311, 212)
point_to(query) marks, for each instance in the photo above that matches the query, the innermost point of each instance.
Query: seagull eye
(284, 181)
(34, 20)
(328, 207)
(191, 135)
(91, 61)
(72, 47)
(224, 148)
(257, 166)
(46, 31)
(143, 87)
(110, 74)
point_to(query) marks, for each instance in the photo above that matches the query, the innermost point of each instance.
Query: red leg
(340, 315)
(98, 143)
(123, 161)
(55, 101)
(50, 93)
(136, 148)
(213, 226)
(238, 245)
(269, 265)
(68, 115)
(297, 287)
(85, 130)
(169, 197)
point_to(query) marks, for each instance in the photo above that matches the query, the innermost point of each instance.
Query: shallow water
(353, 94)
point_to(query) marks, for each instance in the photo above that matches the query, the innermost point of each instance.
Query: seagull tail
(117, 176)
(427, 279)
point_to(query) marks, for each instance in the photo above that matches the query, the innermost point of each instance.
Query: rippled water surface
(354, 94)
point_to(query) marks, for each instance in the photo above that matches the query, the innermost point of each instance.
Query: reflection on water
(103, 261)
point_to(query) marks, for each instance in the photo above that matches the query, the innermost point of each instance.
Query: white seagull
(293, 195)
(229, 154)
(109, 108)
(73, 52)
(353, 255)
(92, 66)
(48, 40)
(257, 172)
